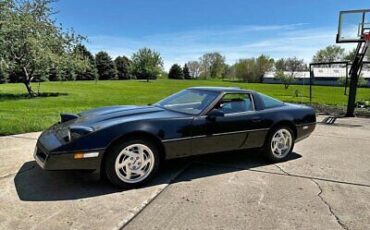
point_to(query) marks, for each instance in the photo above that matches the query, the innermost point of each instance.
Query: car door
(230, 131)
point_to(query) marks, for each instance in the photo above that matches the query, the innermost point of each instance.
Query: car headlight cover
(76, 132)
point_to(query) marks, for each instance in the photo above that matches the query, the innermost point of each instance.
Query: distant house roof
(305, 74)
(322, 73)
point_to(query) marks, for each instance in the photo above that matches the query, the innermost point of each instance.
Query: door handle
(256, 119)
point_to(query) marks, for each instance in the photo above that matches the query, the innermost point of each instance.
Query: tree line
(144, 64)
(212, 65)
(34, 48)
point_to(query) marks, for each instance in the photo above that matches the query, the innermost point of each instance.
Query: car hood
(106, 116)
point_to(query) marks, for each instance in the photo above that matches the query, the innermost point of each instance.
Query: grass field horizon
(19, 114)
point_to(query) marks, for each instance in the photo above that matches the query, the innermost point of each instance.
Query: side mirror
(214, 113)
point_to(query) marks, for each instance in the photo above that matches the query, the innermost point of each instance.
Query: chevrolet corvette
(128, 143)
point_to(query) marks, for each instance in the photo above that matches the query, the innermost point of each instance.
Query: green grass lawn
(19, 114)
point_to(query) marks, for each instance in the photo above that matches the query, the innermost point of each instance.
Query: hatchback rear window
(270, 102)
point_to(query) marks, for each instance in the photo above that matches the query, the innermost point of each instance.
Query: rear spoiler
(67, 117)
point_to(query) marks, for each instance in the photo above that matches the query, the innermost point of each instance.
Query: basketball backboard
(353, 25)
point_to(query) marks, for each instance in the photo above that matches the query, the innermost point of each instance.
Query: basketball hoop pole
(355, 72)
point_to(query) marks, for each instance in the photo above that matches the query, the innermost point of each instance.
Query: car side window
(270, 102)
(236, 103)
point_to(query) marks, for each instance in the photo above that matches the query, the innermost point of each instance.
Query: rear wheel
(132, 163)
(279, 144)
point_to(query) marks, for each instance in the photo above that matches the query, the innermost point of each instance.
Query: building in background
(322, 76)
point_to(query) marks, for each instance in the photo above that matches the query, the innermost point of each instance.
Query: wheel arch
(135, 135)
(287, 123)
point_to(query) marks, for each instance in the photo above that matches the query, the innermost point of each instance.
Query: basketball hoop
(353, 26)
(349, 20)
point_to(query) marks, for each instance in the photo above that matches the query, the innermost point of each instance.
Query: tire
(132, 163)
(279, 144)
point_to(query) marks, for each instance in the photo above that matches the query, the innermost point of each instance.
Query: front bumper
(304, 131)
(65, 161)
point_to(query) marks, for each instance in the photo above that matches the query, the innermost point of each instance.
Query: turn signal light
(85, 155)
(79, 155)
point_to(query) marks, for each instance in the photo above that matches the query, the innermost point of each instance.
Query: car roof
(222, 89)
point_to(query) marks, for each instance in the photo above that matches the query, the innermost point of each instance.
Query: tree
(291, 64)
(175, 72)
(264, 64)
(294, 65)
(53, 75)
(213, 65)
(350, 56)
(105, 66)
(3, 73)
(230, 72)
(280, 64)
(329, 54)
(3, 76)
(246, 70)
(286, 69)
(31, 43)
(123, 66)
(194, 69)
(146, 64)
(90, 72)
(186, 72)
(286, 79)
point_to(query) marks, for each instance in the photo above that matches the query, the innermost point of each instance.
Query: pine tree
(122, 65)
(176, 72)
(186, 72)
(90, 73)
(105, 66)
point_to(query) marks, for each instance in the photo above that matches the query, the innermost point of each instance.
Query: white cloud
(233, 42)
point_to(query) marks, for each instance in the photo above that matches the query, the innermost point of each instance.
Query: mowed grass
(19, 114)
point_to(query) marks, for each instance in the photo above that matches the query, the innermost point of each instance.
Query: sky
(184, 30)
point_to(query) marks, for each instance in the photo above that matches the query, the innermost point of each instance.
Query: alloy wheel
(134, 163)
(281, 143)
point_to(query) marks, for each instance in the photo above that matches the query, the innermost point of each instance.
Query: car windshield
(190, 101)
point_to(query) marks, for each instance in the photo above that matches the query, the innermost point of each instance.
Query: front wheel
(279, 144)
(132, 163)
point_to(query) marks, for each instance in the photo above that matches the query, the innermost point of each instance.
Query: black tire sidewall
(110, 159)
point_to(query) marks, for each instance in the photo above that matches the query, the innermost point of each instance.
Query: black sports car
(127, 143)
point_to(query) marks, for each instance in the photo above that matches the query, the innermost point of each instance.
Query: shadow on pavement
(34, 184)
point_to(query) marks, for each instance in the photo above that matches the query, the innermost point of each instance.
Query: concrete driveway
(324, 185)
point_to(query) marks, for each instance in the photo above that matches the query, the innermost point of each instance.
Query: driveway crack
(329, 206)
(282, 170)
(321, 198)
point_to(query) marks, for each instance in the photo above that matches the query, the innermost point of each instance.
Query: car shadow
(34, 184)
